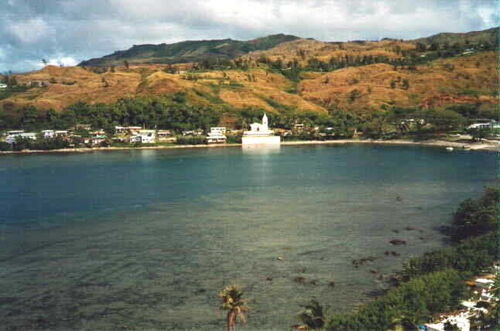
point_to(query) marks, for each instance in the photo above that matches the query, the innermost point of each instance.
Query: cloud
(29, 31)
(81, 29)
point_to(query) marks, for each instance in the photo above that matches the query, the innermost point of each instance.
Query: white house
(260, 134)
(48, 134)
(12, 138)
(144, 136)
(216, 135)
(12, 132)
(486, 125)
(128, 129)
(2, 85)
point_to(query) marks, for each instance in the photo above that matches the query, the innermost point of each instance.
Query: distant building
(216, 135)
(12, 137)
(127, 129)
(61, 133)
(2, 86)
(260, 134)
(13, 132)
(485, 125)
(192, 133)
(48, 134)
(144, 137)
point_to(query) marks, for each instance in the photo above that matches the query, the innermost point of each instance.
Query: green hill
(188, 51)
(475, 39)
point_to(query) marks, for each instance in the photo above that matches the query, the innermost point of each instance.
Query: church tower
(265, 124)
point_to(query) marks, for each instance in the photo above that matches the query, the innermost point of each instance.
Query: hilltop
(280, 73)
(188, 51)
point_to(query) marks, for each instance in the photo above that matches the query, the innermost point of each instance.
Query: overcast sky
(68, 31)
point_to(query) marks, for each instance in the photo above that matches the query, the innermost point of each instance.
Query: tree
(354, 95)
(442, 120)
(125, 63)
(405, 84)
(479, 133)
(232, 300)
(476, 216)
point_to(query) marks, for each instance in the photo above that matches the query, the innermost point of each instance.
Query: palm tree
(232, 301)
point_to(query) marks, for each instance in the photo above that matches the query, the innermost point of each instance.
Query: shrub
(191, 140)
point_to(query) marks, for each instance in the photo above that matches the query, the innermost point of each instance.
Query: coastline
(482, 146)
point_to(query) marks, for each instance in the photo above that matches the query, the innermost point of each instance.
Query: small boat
(449, 149)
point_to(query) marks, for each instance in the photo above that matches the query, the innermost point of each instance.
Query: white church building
(260, 134)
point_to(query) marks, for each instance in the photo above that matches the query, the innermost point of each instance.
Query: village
(83, 135)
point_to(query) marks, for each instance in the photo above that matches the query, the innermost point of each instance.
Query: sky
(65, 32)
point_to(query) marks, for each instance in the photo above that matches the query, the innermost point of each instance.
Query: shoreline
(482, 146)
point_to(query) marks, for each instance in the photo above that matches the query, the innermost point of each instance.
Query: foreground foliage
(434, 282)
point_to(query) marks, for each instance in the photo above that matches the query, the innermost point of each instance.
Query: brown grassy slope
(237, 88)
(467, 79)
(85, 86)
(304, 49)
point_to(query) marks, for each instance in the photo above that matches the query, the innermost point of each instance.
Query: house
(2, 86)
(144, 137)
(485, 125)
(96, 138)
(127, 129)
(12, 138)
(46, 134)
(192, 133)
(13, 132)
(216, 135)
(218, 130)
(93, 141)
(61, 133)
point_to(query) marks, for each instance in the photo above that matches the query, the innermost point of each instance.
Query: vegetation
(313, 316)
(210, 53)
(232, 301)
(408, 304)
(434, 282)
(476, 217)
(161, 112)
(39, 144)
(191, 140)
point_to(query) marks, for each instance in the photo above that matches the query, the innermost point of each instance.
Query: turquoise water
(146, 238)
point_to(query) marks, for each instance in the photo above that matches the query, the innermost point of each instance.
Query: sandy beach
(483, 145)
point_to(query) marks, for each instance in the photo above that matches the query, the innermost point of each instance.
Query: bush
(233, 140)
(412, 303)
(476, 216)
(470, 257)
(191, 140)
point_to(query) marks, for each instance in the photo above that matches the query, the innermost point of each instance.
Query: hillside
(468, 79)
(302, 74)
(240, 89)
(489, 36)
(188, 51)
